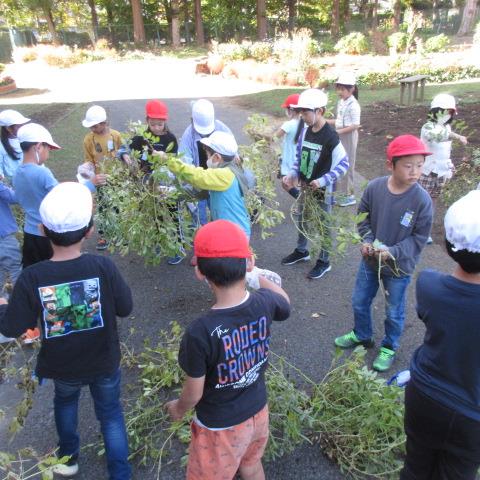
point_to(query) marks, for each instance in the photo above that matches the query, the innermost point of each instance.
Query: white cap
(67, 207)
(203, 116)
(12, 117)
(311, 99)
(462, 223)
(94, 116)
(444, 101)
(347, 78)
(33, 132)
(221, 142)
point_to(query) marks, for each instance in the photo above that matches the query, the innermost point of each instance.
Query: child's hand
(382, 255)
(290, 181)
(173, 411)
(126, 158)
(3, 301)
(366, 249)
(161, 155)
(314, 184)
(99, 179)
(463, 140)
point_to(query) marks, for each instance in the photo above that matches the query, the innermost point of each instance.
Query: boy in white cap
(437, 135)
(223, 179)
(202, 125)
(442, 400)
(102, 141)
(10, 152)
(77, 297)
(321, 161)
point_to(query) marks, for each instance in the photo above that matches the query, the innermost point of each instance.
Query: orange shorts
(217, 455)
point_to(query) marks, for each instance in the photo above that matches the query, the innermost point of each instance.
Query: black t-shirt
(77, 302)
(230, 347)
(157, 143)
(316, 155)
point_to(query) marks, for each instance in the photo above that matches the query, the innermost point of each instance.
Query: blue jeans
(105, 391)
(10, 260)
(366, 287)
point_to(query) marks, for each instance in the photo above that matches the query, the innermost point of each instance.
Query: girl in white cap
(347, 124)
(10, 152)
(437, 135)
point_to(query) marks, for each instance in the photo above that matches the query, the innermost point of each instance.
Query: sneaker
(347, 201)
(102, 244)
(66, 470)
(319, 270)
(175, 260)
(350, 340)
(429, 240)
(296, 256)
(384, 359)
(4, 339)
(31, 336)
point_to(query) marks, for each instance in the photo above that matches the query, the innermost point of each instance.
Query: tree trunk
(175, 25)
(468, 17)
(51, 25)
(138, 26)
(335, 30)
(397, 13)
(261, 20)
(292, 14)
(200, 36)
(374, 15)
(93, 11)
(347, 13)
(112, 35)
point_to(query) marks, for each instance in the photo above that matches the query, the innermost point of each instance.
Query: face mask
(443, 119)
(211, 163)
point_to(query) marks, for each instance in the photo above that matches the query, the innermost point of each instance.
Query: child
(31, 183)
(192, 152)
(77, 297)
(160, 137)
(394, 234)
(347, 124)
(290, 132)
(442, 414)
(223, 178)
(437, 135)
(10, 257)
(101, 143)
(321, 161)
(10, 151)
(224, 354)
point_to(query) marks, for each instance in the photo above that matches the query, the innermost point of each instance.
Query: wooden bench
(412, 84)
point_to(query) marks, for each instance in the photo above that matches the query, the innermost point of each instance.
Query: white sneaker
(429, 240)
(347, 201)
(4, 339)
(65, 470)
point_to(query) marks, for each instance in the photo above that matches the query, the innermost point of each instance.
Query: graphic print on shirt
(310, 156)
(71, 307)
(245, 352)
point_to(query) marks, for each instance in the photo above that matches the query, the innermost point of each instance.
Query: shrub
(6, 81)
(397, 42)
(438, 43)
(354, 43)
(376, 79)
(261, 51)
(326, 46)
(299, 49)
(233, 50)
(29, 56)
(2, 67)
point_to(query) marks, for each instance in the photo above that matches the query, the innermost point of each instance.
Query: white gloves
(253, 277)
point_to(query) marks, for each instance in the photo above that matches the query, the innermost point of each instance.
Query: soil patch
(49, 114)
(382, 121)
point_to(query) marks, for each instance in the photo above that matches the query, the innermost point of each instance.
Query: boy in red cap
(394, 233)
(224, 354)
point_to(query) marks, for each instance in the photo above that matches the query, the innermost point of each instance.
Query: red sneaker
(30, 336)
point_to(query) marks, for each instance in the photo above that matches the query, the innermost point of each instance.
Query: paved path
(166, 293)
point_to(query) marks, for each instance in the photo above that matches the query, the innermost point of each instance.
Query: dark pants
(442, 444)
(35, 249)
(105, 391)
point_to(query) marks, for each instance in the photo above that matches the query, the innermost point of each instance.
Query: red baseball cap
(405, 145)
(291, 100)
(221, 239)
(156, 109)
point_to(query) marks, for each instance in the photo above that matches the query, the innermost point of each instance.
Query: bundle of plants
(465, 179)
(358, 419)
(259, 127)
(331, 231)
(144, 214)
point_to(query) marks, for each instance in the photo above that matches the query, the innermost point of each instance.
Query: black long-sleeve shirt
(77, 302)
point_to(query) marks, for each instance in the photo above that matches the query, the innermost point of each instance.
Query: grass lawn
(269, 102)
